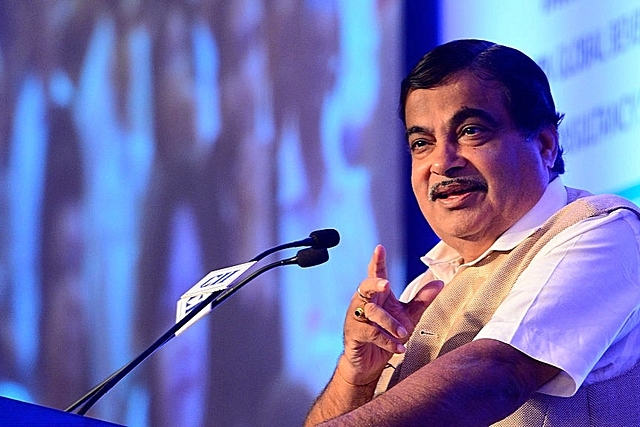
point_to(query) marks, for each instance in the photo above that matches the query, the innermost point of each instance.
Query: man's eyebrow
(415, 129)
(466, 112)
(457, 119)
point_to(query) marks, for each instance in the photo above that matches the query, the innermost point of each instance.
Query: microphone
(304, 258)
(310, 257)
(325, 238)
(219, 280)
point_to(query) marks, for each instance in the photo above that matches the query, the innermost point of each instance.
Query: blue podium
(14, 413)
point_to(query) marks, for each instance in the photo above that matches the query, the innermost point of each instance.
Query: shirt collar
(444, 261)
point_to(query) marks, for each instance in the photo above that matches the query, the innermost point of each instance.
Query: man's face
(473, 173)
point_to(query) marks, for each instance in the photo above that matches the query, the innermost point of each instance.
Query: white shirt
(577, 305)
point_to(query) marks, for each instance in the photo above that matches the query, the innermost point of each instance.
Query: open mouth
(456, 186)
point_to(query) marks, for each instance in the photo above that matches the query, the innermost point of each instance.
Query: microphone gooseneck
(308, 257)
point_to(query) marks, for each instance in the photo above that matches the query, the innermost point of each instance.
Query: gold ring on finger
(359, 313)
(366, 299)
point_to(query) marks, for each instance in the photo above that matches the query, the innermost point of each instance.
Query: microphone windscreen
(311, 257)
(326, 238)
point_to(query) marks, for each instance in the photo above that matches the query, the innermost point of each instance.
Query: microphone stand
(305, 258)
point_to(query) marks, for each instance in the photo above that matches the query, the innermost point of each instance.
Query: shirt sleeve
(578, 297)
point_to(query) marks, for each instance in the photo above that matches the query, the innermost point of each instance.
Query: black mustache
(467, 184)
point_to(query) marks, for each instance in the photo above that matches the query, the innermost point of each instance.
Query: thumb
(423, 299)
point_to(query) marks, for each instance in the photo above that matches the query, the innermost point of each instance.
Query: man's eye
(473, 135)
(471, 130)
(420, 145)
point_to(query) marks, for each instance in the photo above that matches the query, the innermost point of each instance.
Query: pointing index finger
(378, 264)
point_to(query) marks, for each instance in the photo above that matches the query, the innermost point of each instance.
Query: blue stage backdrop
(146, 143)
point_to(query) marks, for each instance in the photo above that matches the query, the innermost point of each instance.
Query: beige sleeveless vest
(469, 300)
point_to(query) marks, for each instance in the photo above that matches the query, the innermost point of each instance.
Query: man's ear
(548, 140)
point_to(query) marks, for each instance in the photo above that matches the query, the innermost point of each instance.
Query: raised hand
(377, 325)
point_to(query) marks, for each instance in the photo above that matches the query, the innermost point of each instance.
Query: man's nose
(446, 157)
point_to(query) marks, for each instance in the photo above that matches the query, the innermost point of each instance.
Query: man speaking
(527, 314)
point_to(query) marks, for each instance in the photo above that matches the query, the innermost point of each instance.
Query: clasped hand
(377, 325)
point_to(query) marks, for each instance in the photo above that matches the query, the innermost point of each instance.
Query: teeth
(451, 191)
(454, 187)
(446, 195)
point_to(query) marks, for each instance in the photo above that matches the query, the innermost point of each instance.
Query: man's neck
(470, 250)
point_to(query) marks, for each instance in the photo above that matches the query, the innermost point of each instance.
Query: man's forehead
(457, 100)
